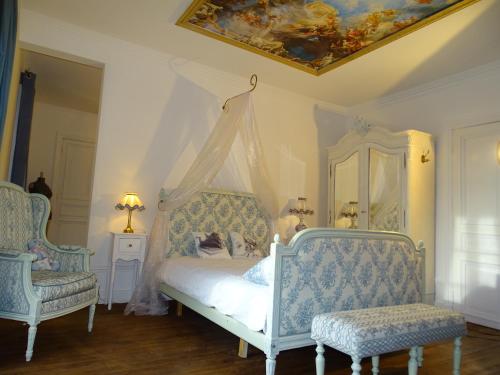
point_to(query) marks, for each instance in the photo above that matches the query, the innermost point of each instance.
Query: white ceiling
(463, 40)
(64, 83)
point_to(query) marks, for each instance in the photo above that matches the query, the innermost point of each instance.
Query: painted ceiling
(313, 35)
(460, 41)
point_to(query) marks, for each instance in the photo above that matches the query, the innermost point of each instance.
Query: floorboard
(193, 345)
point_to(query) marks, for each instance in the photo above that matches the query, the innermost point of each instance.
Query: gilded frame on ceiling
(315, 36)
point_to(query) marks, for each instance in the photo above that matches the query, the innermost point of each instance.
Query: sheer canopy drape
(237, 118)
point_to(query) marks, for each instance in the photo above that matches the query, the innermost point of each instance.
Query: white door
(73, 174)
(476, 213)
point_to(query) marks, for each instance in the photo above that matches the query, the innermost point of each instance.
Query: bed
(320, 270)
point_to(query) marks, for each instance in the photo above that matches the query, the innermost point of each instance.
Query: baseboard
(469, 317)
(482, 321)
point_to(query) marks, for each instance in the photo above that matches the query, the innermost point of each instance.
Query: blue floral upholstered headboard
(222, 212)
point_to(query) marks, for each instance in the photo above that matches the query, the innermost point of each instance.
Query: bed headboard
(218, 211)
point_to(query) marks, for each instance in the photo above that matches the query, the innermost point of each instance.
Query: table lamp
(131, 202)
(350, 211)
(300, 211)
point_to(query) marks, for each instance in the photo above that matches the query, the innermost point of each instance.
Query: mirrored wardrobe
(380, 180)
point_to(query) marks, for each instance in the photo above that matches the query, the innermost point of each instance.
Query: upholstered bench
(371, 332)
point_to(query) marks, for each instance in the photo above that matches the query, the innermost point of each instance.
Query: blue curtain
(8, 29)
(19, 173)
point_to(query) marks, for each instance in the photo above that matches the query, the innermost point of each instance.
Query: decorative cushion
(50, 285)
(44, 260)
(262, 273)
(210, 245)
(244, 247)
(374, 331)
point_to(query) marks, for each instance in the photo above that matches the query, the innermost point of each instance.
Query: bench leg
(420, 356)
(320, 359)
(243, 349)
(457, 353)
(356, 365)
(270, 364)
(412, 363)
(375, 364)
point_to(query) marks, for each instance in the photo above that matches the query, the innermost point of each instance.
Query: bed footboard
(324, 270)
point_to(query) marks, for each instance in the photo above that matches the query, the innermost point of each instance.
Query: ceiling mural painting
(313, 35)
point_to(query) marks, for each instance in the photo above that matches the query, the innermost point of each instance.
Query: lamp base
(129, 229)
(301, 225)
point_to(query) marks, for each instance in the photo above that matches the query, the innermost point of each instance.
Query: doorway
(62, 141)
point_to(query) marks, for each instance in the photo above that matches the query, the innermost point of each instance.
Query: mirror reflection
(346, 193)
(384, 191)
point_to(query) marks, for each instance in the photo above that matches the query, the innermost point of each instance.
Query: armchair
(35, 296)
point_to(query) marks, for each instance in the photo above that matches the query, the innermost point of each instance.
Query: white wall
(156, 111)
(467, 99)
(48, 121)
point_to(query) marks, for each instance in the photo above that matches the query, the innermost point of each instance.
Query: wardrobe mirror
(346, 192)
(384, 191)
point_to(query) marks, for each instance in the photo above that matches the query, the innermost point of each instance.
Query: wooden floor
(193, 345)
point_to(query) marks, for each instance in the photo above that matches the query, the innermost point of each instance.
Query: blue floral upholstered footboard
(323, 270)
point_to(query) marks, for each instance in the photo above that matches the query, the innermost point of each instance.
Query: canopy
(236, 118)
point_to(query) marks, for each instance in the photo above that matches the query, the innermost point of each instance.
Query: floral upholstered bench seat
(374, 331)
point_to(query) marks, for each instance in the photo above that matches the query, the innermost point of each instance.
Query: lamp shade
(301, 207)
(130, 201)
(349, 210)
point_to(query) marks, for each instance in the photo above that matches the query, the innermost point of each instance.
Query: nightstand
(126, 246)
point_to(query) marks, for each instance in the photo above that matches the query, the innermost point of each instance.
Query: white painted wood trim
(230, 324)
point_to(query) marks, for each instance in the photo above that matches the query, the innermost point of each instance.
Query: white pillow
(262, 273)
(210, 245)
(244, 247)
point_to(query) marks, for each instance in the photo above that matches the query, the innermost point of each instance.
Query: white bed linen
(219, 283)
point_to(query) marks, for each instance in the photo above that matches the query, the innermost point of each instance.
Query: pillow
(244, 247)
(43, 259)
(262, 273)
(210, 245)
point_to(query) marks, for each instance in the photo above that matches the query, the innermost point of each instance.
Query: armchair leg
(31, 342)
(91, 317)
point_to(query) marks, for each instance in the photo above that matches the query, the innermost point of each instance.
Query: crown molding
(426, 88)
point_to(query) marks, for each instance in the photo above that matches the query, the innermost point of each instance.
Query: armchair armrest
(8, 253)
(17, 297)
(71, 258)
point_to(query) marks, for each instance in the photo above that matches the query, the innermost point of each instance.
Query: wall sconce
(131, 202)
(350, 211)
(498, 152)
(425, 157)
(300, 211)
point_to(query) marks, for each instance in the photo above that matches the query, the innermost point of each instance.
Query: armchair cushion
(50, 285)
(57, 305)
